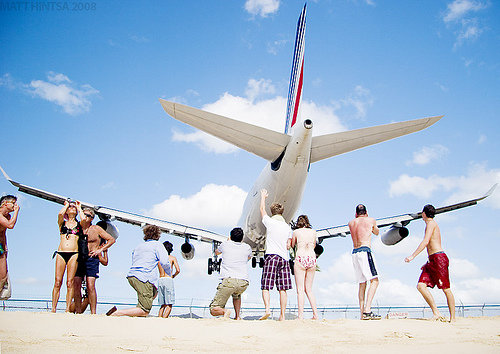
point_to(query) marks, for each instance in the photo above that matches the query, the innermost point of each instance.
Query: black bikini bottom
(65, 255)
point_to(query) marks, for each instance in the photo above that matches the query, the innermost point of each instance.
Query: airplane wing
(325, 146)
(398, 221)
(110, 214)
(262, 142)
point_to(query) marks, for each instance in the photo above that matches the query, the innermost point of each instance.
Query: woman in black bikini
(67, 253)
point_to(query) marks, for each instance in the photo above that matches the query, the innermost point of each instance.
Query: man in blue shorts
(276, 265)
(98, 241)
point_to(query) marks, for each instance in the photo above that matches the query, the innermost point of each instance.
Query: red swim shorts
(435, 271)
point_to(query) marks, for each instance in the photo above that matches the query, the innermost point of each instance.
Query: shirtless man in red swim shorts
(435, 271)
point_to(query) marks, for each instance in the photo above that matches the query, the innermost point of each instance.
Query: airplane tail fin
(296, 76)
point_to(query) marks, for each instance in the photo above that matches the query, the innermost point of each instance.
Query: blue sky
(80, 117)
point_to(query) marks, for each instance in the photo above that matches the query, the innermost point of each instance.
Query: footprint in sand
(399, 335)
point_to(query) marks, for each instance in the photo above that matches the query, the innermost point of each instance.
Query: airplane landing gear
(254, 262)
(214, 263)
(210, 266)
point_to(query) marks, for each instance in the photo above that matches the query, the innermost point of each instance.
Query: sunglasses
(89, 216)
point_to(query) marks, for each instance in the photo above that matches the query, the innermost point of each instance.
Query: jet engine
(109, 228)
(318, 249)
(187, 250)
(394, 235)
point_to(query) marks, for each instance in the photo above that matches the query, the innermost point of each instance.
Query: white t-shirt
(234, 259)
(277, 235)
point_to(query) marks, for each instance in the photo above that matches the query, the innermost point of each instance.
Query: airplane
(288, 154)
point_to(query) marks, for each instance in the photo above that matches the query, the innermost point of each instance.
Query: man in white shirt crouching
(233, 273)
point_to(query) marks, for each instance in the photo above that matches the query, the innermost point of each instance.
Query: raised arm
(263, 196)
(10, 222)
(60, 216)
(83, 220)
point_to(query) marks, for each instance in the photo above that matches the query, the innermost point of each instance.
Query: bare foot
(265, 317)
(281, 318)
(439, 318)
(227, 313)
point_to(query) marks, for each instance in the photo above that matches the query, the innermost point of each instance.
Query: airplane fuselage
(284, 179)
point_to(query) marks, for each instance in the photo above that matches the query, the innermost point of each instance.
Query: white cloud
(268, 113)
(339, 271)
(367, 2)
(262, 8)
(469, 32)
(471, 186)
(458, 15)
(356, 104)
(57, 77)
(139, 39)
(442, 87)
(337, 285)
(256, 88)
(273, 47)
(73, 100)
(482, 139)
(477, 291)
(418, 186)
(461, 8)
(393, 291)
(213, 206)
(427, 154)
(58, 89)
(463, 269)
(7, 81)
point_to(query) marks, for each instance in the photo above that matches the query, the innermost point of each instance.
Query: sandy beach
(31, 332)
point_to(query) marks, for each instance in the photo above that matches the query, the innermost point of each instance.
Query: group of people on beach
(280, 238)
(84, 246)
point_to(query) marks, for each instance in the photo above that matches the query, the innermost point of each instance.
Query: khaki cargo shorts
(146, 293)
(226, 288)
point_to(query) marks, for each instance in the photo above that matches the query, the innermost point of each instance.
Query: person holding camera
(8, 204)
(67, 253)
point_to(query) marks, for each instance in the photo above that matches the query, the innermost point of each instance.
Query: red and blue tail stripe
(296, 77)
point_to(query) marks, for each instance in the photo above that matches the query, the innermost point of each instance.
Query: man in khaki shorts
(233, 273)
